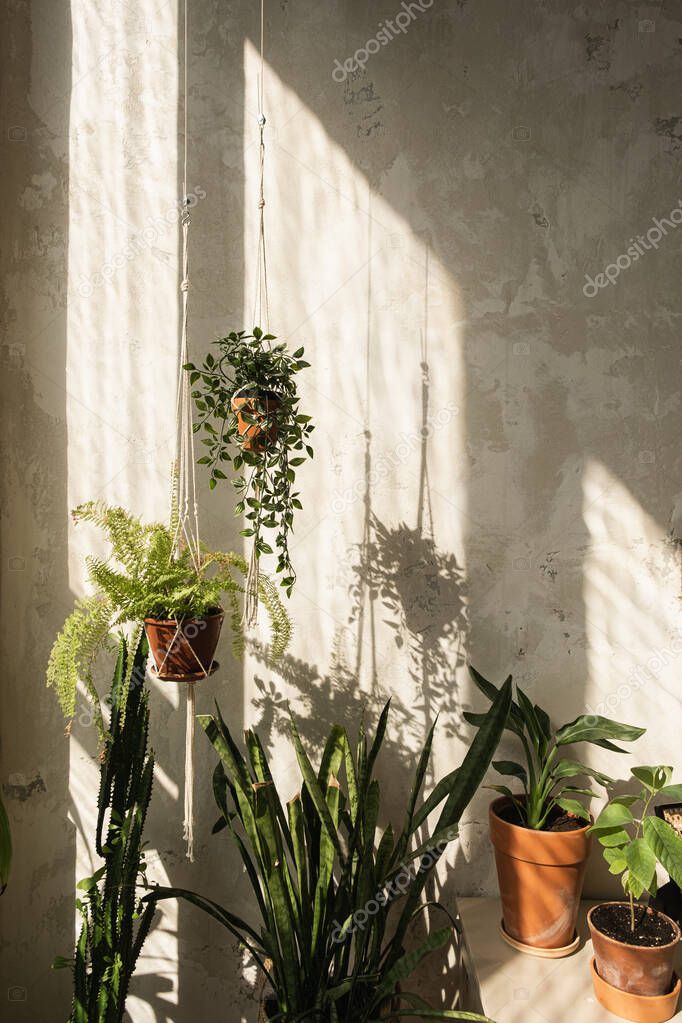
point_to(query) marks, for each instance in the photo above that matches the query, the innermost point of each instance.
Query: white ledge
(519, 988)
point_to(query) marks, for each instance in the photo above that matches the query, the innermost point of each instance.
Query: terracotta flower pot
(540, 874)
(257, 405)
(186, 649)
(635, 969)
(636, 1008)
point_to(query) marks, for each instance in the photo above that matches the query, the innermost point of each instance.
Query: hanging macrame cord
(184, 505)
(261, 305)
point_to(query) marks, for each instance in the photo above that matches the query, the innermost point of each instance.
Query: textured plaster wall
(497, 453)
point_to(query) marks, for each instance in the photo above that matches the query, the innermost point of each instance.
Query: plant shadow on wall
(422, 590)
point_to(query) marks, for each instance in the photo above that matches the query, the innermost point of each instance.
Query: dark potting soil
(651, 929)
(559, 821)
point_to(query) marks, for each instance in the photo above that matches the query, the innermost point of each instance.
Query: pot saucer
(540, 953)
(197, 676)
(636, 1008)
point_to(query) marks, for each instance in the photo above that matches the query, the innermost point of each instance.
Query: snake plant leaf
(378, 741)
(465, 783)
(5, 847)
(238, 927)
(599, 731)
(666, 844)
(422, 766)
(440, 791)
(407, 963)
(332, 756)
(315, 791)
(477, 759)
(433, 1014)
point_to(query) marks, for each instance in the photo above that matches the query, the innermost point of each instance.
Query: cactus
(115, 924)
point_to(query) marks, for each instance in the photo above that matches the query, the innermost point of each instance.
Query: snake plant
(334, 896)
(115, 924)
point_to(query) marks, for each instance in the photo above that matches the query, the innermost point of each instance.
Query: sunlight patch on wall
(379, 603)
(632, 618)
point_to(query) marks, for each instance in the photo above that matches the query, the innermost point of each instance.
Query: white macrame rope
(261, 304)
(188, 827)
(184, 502)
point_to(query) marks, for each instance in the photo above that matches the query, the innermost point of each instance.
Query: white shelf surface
(519, 988)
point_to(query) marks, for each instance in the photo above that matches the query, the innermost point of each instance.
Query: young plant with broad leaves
(263, 375)
(115, 924)
(634, 840)
(335, 898)
(548, 779)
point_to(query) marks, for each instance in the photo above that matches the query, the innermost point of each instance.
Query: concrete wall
(497, 449)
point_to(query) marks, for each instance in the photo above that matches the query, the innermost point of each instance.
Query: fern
(144, 579)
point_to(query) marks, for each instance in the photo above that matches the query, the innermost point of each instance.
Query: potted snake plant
(541, 834)
(635, 945)
(175, 597)
(334, 897)
(247, 399)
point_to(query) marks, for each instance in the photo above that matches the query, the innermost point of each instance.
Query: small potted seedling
(540, 834)
(634, 945)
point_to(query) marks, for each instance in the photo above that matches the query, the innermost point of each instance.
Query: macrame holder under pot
(261, 306)
(179, 655)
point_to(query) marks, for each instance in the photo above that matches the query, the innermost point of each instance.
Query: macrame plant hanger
(261, 304)
(184, 511)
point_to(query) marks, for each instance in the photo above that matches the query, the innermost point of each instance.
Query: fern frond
(83, 635)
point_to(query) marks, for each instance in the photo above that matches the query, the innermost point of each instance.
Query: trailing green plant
(143, 578)
(115, 923)
(547, 778)
(635, 842)
(5, 847)
(251, 366)
(336, 898)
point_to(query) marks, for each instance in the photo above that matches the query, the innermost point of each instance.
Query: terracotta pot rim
(551, 835)
(645, 949)
(244, 394)
(185, 621)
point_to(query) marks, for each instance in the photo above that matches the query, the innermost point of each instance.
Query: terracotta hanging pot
(183, 651)
(260, 405)
(540, 874)
(644, 970)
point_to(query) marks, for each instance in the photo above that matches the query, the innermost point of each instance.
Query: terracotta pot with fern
(176, 597)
